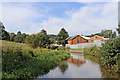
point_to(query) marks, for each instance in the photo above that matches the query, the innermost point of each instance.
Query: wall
(83, 45)
(94, 38)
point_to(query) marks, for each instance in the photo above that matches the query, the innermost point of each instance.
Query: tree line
(105, 33)
(41, 39)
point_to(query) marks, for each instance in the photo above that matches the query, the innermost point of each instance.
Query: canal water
(79, 66)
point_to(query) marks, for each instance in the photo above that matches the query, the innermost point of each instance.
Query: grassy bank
(108, 54)
(21, 61)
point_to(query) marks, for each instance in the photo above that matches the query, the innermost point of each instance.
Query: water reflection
(63, 67)
(79, 66)
(105, 72)
(77, 62)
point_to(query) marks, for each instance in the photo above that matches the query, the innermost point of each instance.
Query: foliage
(113, 35)
(118, 29)
(12, 36)
(94, 35)
(4, 35)
(110, 53)
(106, 33)
(24, 62)
(61, 48)
(54, 37)
(18, 38)
(51, 40)
(54, 47)
(93, 51)
(62, 35)
(18, 33)
(2, 26)
(43, 31)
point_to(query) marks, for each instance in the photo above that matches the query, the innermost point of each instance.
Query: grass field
(21, 61)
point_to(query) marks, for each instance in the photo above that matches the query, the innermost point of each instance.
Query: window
(92, 41)
(87, 41)
(102, 40)
(78, 41)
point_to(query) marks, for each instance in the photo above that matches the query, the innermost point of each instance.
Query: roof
(102, 37)
(85, 37)
(72, 37)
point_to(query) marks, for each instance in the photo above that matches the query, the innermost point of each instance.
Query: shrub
(54, 47)
(61, 48)
(93, 51)
(19, 62)
(110, 53)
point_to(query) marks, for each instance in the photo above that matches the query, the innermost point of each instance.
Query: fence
(83, 45)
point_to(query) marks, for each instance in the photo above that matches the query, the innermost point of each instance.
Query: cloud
(19, 17)
(88, 19)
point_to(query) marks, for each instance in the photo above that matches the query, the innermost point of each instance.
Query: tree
(2, 26)
(118, 29)
(43, 31)
(106, 33)
(31, 40)
(42, 39)
(18, 38)
(18, 33)
(12, 36)
(3, 34)
(61, 37)
(38, 40)
(51, 40)
(114, 35)
(24, 37)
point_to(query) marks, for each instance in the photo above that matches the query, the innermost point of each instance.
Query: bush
(19, 62)
(93, 51)
(110, 53)
(54, 47)
(61, 48)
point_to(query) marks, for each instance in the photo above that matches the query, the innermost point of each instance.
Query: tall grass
(21, 61)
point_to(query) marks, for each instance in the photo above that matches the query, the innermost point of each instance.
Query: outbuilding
(77, 39)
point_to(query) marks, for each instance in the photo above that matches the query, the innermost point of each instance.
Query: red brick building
(76, 39)
(97, 38)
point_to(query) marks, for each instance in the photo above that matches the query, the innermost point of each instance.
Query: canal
(79, 66)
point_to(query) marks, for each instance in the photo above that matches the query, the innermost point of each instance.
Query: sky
(76, 17)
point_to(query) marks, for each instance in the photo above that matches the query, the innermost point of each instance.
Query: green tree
(61, 37)
(38, 40)
(3, 34)
(31, 40)
(114, 35)
(2, 26)
(42, 39)
(44, 31)
(118, 29)
(18, 33)
(18, 38)
(51, 40)
(12, 36)
(106, 33)
(24, 37)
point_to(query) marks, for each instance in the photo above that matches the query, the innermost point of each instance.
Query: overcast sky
(75, 17)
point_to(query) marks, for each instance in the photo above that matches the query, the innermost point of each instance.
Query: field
(21, 61)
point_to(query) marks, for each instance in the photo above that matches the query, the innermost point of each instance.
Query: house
(77, 39)
(97, 39)
(76, 61)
